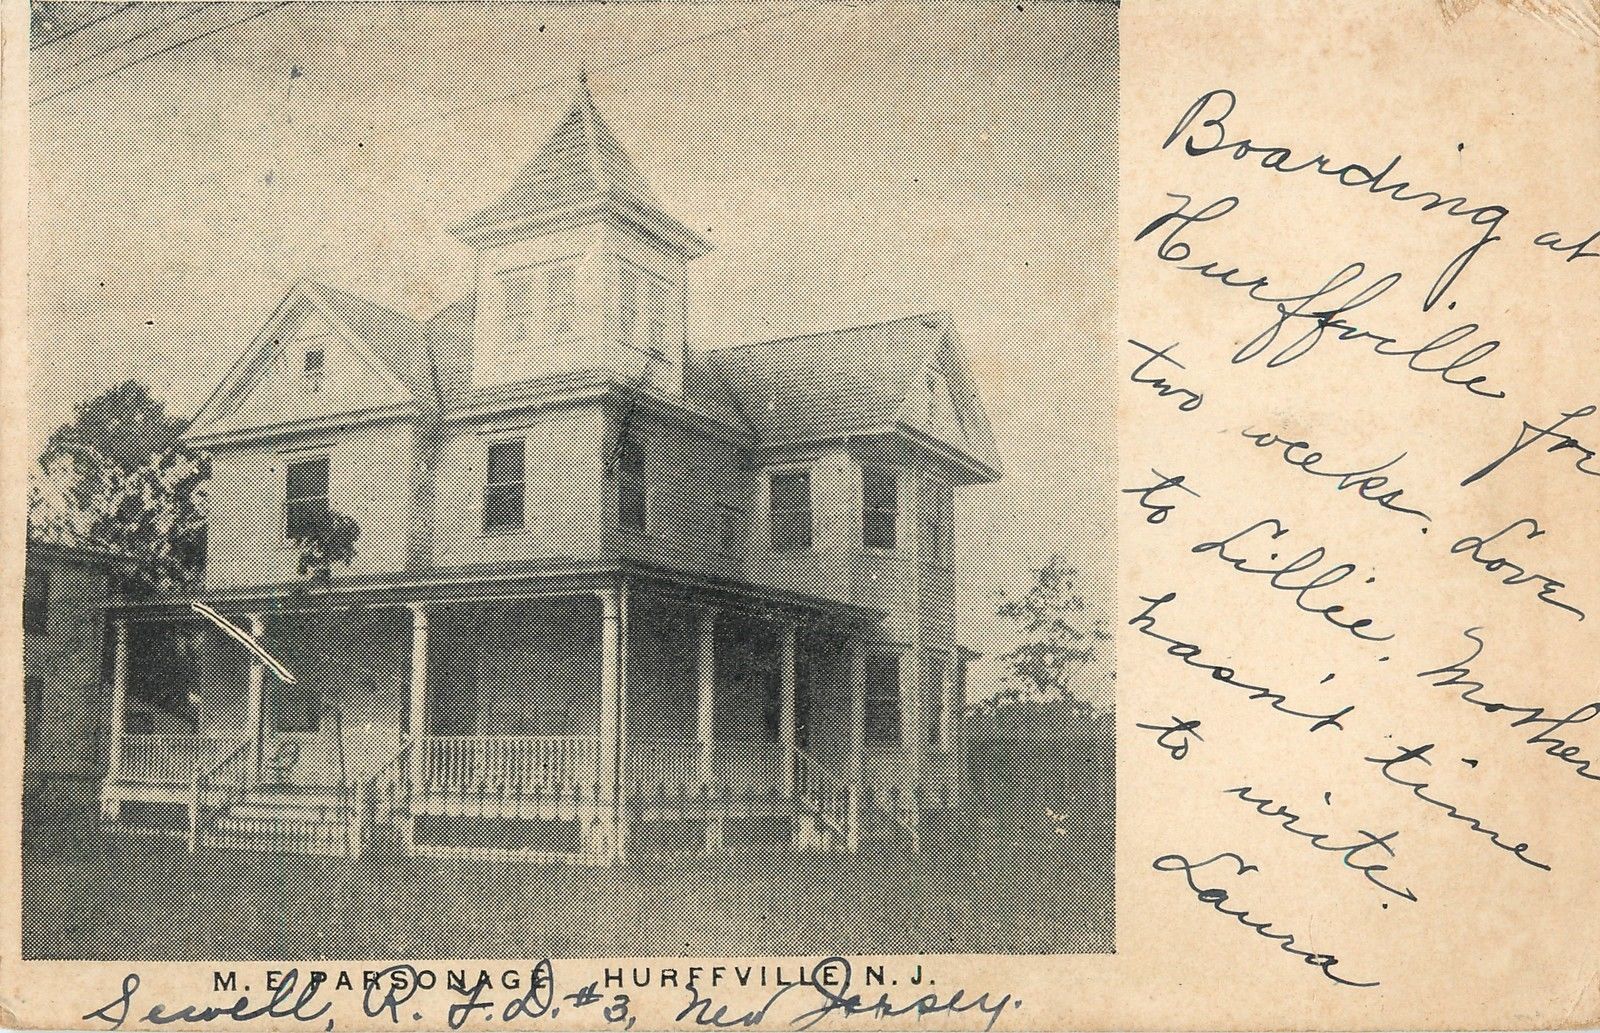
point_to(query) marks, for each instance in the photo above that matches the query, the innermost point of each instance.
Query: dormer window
(313, 367)
(561, 300)
(542, 300)
(645, 310)
(627, 303)
(658, 317)
(519, 307)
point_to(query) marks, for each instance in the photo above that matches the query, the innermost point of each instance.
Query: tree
(118, 478)
(1060, 638)
(328, 539)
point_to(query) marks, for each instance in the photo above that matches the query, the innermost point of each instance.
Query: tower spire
(581, 172)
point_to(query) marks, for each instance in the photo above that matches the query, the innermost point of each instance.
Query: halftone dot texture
(1016, 830)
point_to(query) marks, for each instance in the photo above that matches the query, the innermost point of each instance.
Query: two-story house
(611, 592)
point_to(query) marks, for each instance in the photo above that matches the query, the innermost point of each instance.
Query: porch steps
(268, 820)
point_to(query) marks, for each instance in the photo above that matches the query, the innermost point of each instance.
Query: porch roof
(501, 582)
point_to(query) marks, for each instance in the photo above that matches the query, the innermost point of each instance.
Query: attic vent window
(313, 369)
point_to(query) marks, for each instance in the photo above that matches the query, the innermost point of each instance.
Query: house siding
(563, 493)
(370, 479)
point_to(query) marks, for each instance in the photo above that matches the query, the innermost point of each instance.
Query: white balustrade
(166, 758)
(495, 764)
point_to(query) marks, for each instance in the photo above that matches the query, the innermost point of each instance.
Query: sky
(850, 165)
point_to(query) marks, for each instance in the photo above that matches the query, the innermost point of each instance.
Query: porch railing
(383, 798)
(167, 758)
(662, 767)
(829, 795)
(216, 788)
(525, 765)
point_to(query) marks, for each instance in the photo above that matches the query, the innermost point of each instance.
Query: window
(504, 472)
(657, 316)
(315, 359)
(561, 300)
(934, 667)
(519, 306)
(36, 601)
(730, 528)
(559, 281)
(791, 510)
(880, 509)
(882, 719)
(305, 497)
(632, 496)
(935, 523)
(33, 705)
(627, 304)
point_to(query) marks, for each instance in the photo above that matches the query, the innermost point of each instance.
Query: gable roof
(853, 382)
(580, 172)
(396, 339)
(390, 345)
(863, 381)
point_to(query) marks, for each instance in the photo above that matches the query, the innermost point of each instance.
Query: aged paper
(981, 516)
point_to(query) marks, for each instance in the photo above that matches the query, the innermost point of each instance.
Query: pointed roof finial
(580, 170)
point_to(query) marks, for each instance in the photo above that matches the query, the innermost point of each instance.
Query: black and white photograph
(615, 480)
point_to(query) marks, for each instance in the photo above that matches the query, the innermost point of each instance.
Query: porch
(571, 724)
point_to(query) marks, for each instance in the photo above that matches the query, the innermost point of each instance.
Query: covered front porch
(571, 720)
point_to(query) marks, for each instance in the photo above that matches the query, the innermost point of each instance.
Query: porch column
(622, 722)
(603, 834)
(417, 714)
(787, 635)
(858, 741)
(913, 732)
(705, 725)
(253, 700)
(119, 698)
(947, 699)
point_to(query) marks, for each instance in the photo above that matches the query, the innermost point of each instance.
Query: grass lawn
(130, 897)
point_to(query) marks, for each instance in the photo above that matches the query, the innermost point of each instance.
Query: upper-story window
(305, 497)
(658, 316)
(730, 528)
(505, 463)
(935, 669)
(315, 360)
(880, 508)
(790, 526)
(561, 300)
(935, 528)
(548, 293)
(645, 309)
(882, 691)
(627, 303)
(632, 491)
(36, 600)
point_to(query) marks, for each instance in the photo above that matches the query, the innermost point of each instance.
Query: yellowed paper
(695, 497)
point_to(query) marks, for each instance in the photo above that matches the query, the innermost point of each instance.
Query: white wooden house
(611, 592)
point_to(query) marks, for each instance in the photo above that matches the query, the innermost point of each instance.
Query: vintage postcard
(728, 515)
